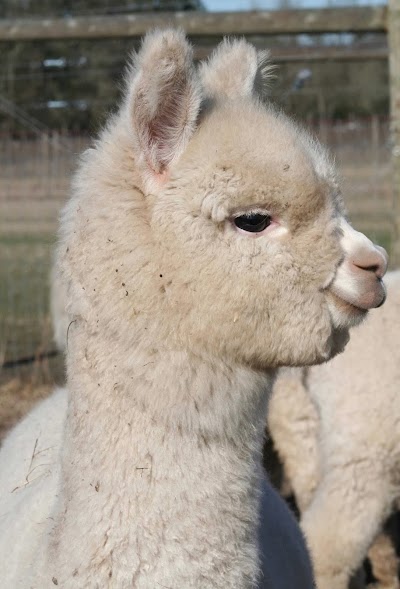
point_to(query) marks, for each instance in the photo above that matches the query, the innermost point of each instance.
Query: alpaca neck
(160, 467)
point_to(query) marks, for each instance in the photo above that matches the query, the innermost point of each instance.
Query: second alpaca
(336, 429)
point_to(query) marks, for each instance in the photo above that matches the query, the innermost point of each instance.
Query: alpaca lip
(384, 294)
(350, 306)
(370, 298)
(345, 306)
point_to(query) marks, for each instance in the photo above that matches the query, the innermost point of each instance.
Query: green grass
(25, 261)
(26, 239)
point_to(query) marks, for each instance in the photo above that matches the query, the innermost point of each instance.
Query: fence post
(394, 69)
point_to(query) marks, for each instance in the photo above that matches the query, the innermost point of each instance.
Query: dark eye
(254, 223)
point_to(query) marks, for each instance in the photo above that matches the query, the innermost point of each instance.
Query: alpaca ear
(164, 100)
(236, 69)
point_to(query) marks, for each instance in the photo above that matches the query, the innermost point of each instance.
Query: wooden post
(374, 127)
(394, 69)
(199, 23)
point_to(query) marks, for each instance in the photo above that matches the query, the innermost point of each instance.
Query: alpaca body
(29, 485)
(195, 261)
(342, 430)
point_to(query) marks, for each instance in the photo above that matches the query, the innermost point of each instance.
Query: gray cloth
(286, 563)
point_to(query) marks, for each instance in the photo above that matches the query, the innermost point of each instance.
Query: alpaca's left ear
(164, 101)
(236, 69)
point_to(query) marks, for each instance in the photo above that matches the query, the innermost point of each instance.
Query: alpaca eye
(254, 223)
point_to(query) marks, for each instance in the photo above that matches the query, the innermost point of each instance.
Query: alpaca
(336, 429)
(204, 246)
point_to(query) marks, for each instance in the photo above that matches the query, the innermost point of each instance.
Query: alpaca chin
(344, 315)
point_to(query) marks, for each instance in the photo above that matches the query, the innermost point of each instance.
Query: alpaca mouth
(347, 306)
(370, 298)
(344, 314)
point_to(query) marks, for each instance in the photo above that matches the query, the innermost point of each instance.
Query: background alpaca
(195, 260)
(336, 429)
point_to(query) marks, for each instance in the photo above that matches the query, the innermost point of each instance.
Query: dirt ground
(16, 399)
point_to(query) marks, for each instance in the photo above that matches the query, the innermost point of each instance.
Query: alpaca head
(241, 216)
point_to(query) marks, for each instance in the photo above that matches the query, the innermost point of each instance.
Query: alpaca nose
(371, 258)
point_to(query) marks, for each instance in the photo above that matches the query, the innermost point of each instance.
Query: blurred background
(61, 66)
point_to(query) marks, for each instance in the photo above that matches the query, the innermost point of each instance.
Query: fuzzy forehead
(262, 156)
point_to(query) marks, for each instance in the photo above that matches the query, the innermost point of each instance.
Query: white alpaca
(204, 246)
(337, 429)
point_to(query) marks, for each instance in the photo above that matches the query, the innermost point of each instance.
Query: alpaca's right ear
(164, 101)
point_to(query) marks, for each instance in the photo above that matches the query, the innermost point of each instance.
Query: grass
(24, 317)
(26, 239)
(34, 184)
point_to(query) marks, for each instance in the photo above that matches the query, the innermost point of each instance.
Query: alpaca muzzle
(358, 280)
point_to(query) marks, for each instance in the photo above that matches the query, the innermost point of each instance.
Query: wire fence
(36, 167)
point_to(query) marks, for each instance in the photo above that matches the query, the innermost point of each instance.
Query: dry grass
(16, 399)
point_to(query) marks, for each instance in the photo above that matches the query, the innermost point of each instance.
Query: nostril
(372, 268)
(374, 260)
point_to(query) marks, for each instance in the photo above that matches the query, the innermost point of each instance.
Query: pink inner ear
(161, 177)
(165, 129)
